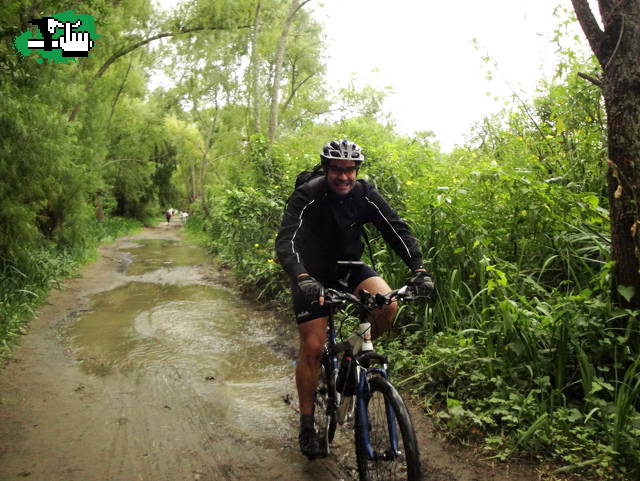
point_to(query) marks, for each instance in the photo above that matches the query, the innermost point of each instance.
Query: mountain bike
(354, 386)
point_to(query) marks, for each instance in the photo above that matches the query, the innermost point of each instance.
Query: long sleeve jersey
(320, 227)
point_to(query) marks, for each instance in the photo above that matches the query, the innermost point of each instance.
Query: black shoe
(310, 444)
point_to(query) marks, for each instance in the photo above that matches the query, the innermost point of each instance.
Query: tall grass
(24, 284)
(521, 342)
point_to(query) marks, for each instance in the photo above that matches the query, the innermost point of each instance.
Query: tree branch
(298, 8)
(120, 90)
(124, 51)
(590, 27)
(294, 7)
(295, 88)
(615, 50)
(595, 81)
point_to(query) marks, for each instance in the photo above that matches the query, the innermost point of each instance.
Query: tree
(227, 16)
(294, 7)
(617, 49)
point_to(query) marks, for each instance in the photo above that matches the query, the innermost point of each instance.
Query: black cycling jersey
(320, 227)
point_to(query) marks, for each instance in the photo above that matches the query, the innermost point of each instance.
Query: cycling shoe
(310, 444)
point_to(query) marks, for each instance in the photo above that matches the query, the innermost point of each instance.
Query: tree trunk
(255, 71)
(99, 208)
(192, 186)
(277, 69)
(208, 144)
(618, 51)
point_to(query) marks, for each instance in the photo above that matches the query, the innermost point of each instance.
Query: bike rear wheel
(324, 414)
(386, 462)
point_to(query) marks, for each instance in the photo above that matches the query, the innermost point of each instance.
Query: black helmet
(341, 150)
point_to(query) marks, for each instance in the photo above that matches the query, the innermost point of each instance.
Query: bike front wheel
(324, 405)
(386, 446)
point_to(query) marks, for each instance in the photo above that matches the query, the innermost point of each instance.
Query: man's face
(341, 176)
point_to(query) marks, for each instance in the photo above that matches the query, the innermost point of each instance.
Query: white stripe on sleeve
(389, 223)
(293, 247)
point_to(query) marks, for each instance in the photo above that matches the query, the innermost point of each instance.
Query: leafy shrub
(25, 282)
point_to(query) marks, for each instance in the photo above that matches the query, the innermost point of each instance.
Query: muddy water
(202, 335)
(183, 345)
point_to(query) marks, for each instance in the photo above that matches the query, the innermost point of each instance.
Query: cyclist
(321, 225)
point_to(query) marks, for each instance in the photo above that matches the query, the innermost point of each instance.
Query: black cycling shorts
(305, 311)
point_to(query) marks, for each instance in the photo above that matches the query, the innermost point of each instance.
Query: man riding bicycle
(322, 224)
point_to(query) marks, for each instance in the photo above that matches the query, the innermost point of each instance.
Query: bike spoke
(324, 410)
(388, 428)
(388, 465)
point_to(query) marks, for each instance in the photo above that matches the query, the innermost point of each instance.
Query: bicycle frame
(363, 370)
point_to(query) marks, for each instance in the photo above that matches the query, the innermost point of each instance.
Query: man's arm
(289, 235)
(394, 230)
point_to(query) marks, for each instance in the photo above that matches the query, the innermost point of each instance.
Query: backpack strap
(366, 239)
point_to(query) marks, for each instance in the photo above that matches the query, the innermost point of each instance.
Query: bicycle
(356, 386)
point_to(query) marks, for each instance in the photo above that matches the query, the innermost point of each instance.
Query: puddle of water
(154, 254)
(198, 339)
(167, 330)
(200, 329)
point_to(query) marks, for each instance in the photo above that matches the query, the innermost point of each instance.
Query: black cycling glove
(421, 284)
(311, 288)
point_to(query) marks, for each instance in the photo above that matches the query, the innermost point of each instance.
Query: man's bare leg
(381, 319)
(312, 339)
(313, 335)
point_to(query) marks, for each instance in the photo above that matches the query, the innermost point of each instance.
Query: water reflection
(168, 329)
(153, 254)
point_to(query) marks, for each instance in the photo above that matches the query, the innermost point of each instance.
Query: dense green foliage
(87, 139)
(521, 348)
(25, 284)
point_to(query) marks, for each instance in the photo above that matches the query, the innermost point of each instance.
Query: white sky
(424, 51)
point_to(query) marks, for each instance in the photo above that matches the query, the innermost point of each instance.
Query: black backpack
(307, 175)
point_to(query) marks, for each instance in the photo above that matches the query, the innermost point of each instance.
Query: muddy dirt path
(148, 367)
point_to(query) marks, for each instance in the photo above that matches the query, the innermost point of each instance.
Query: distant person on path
(322, 224)
(167, 215)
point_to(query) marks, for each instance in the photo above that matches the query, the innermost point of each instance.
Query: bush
(25, 282)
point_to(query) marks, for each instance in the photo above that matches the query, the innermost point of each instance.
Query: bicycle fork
(363, 396)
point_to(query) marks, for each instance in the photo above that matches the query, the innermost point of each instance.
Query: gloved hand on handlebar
(311, 289)
(421, 283)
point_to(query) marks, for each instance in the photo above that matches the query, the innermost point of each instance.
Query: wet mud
(148, 366)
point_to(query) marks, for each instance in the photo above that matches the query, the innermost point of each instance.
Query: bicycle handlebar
(366, 300)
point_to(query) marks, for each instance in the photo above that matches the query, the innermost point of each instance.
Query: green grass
(25, 285)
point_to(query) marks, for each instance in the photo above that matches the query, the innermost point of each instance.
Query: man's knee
(389, 311)
(311, 346)
(312, 338)
(377, 285)
(373, 285)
